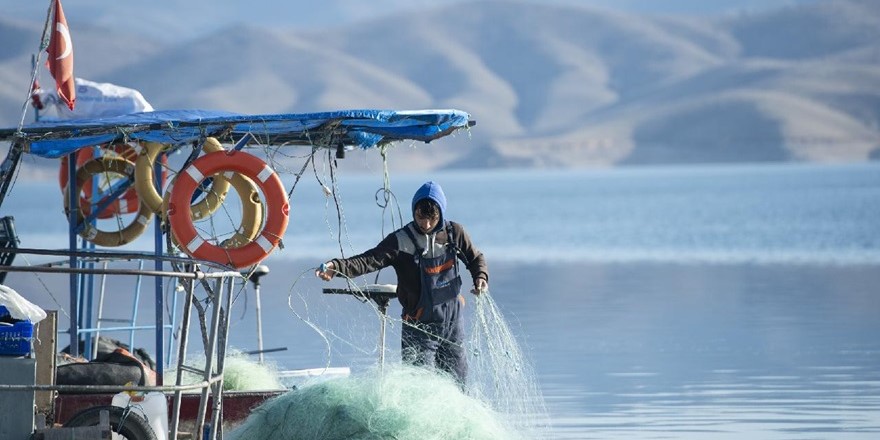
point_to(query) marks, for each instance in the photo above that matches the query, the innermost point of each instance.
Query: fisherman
(425, 254)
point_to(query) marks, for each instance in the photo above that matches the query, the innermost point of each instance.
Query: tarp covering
(349, 128)
(93, 100)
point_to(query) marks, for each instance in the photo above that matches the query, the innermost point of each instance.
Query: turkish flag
(60, 62)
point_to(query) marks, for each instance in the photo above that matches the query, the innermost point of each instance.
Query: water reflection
(706, 351)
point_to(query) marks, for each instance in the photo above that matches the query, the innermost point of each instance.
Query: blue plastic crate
(15, 339)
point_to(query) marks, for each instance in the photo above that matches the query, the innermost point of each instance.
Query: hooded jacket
(398, 251)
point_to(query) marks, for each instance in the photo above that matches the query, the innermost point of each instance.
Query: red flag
(60, 62)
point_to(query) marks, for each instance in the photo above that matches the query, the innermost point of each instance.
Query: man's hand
(480, 286)
(326, 271)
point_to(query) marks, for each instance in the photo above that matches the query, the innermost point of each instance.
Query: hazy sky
(183, 19)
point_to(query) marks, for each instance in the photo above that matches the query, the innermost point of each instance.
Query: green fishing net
(501, 372)
(240, 373)
(397, 402)
(243, 374)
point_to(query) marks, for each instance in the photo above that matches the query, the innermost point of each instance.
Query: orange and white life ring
(124, 235)
(251, 211)
(127, 202)
(146, 187)
(277, 208)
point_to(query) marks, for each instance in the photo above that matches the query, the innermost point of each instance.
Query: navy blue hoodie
(431, 190)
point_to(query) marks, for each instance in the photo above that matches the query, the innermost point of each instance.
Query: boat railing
(190, 274)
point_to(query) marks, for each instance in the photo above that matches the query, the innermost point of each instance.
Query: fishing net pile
(243, 374)
(240, 373)
(396, 402)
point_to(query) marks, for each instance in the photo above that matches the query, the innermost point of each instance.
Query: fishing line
(327, 194)
(309, 159)
(388, 195)
(328, 336)
(334, 193)
(340, 216)
(323, 333)
(43, 283)
(359, 294)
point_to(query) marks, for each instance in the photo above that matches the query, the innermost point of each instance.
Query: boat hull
(237, 405)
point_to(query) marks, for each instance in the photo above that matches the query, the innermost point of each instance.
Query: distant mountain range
(549, 86)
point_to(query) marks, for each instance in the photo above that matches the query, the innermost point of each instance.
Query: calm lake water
(676, 302)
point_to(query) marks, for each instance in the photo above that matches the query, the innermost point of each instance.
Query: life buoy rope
(127, 202)
(146, 188)
(124, 235)
(276, 204)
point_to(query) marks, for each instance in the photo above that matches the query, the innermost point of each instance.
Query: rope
(387, 195)
(310, 159)
(340, 220)
(334, 192)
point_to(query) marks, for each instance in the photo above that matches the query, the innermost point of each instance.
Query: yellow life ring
(127, 202)
(146, 188)
(251, 212)
(125, 235)
(277, 208)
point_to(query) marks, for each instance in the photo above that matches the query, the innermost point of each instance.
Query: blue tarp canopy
(348, 128)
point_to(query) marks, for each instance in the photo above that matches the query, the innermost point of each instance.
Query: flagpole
(34, 61)
(9, 167)
(44, 43)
